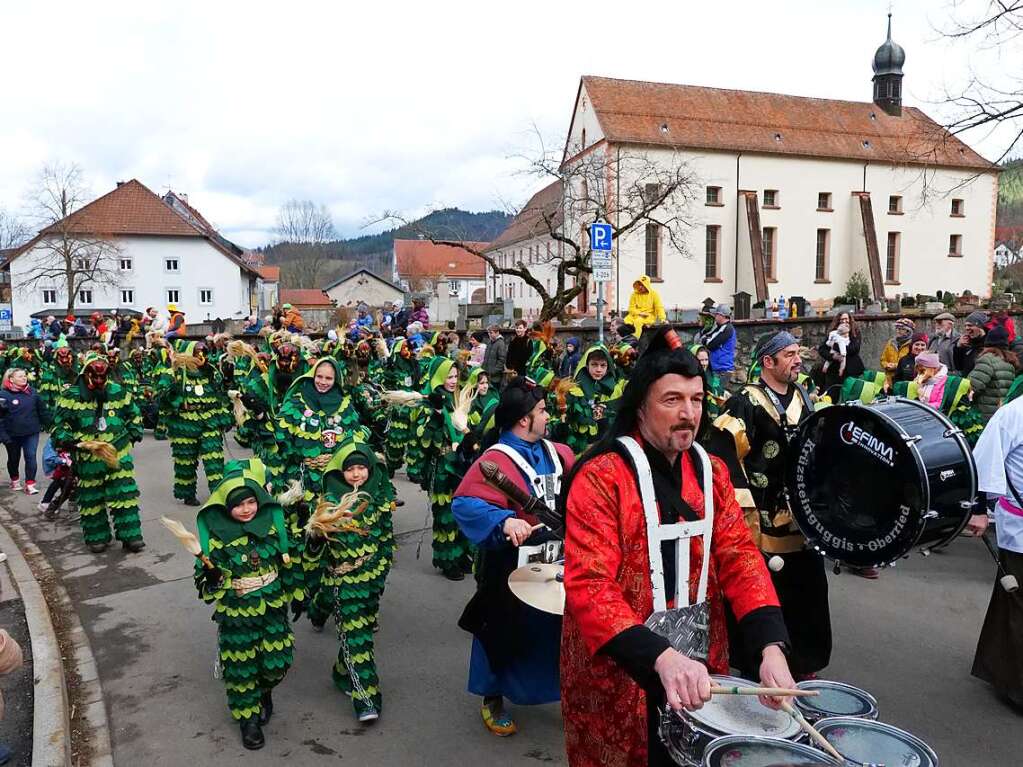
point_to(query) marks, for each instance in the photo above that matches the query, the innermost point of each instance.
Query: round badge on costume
(771, 449)
(14, 402)
(757, 479)
(199, 390)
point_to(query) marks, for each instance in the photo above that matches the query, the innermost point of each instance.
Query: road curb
(52, 721)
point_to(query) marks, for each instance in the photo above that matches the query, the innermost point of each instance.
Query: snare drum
(686, 734)
(863, 742)
(751, 751)
(835, 699)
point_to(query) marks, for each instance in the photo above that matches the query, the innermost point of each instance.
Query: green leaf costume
(401, 374)
(257, 579)
(106, 415)
(583, 428)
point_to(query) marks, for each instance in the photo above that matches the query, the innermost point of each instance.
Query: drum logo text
(852, 434)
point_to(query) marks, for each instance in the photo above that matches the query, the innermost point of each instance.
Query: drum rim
(888, 729)
(694, 718)
(819, 684)
(921, 477)
(960, 437)
(803, 749)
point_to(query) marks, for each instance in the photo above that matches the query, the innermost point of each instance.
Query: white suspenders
(678, 532)
(546, 486)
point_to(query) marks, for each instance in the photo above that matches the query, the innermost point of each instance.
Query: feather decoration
(188, 540)
(102, 450)
(292, 495)
(561, 389)
(427, 352)
(331, 518)
(545, 333)
(401, 398)
(237, 407)
(463, 397)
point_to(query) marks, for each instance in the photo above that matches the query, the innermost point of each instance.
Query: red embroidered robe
(607, 588)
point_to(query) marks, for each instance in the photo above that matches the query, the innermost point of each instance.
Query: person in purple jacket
(23, 415)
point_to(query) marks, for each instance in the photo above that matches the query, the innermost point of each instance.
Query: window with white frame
(85, 296)
(127, 296)
(205, 296)
(454, 287)
(173, 295)
(49, 296)
(126, 264)
(83, 264)
(171, 265)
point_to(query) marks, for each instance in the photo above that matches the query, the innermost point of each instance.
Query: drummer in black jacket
(752, 436)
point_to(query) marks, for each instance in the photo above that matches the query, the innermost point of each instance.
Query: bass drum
(867, 483)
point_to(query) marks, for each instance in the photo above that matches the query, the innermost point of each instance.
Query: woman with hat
(934, 386)
(896, 349)
(993, 372)
(247, 574)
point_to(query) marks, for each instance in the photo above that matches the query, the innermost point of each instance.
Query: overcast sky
(373, 106)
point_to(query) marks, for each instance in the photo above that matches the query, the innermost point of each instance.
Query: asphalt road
(908, 638)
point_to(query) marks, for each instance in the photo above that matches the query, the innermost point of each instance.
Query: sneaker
(498, 723)
(44, 507)
(15, 484)
(3, 557)
(369, 715)
(31, 489)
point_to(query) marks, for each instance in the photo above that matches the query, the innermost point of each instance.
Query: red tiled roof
(130, 208)
(269, 273)
(536, 219)
(421, 258)
(636, 112)
(305, 297)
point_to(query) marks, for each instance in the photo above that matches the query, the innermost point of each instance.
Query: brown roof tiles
(422, 258)
(536, 219)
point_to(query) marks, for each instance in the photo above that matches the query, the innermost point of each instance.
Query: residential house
(269, 287)
(363, 286)
(447, 274)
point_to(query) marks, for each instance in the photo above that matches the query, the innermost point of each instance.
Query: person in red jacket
(1002, 318)
(622, 658)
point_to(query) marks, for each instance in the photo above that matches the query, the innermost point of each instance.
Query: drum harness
(789, 429)
(686, 626)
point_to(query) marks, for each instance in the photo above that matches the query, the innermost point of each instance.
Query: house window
(653, 251)
(823, 200)
(714, 195)
(955, 245)
(713, 265)
(170, 265)
(127, 296)
(651, 192)
(583, 140)
(454, 287)
(770, 198)
(958, 208)
(85, 296)
(770, 241)
(895, 204)
(891, 267)
(126, 264)
(823, 241)
(173, 295)
(205, 296)
(49, 296)
(82, 264)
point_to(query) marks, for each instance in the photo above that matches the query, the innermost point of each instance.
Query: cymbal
(538, 586)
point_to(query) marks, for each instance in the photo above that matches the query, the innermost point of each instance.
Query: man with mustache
(752, 437)
(654, 543)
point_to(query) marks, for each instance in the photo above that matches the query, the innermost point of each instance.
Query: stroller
(63, 484)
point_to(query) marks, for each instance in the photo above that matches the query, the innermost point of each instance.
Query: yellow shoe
(500, 724)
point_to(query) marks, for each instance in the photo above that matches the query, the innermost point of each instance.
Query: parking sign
(600, 237)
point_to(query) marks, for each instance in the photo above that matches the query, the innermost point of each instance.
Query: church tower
(888, 61)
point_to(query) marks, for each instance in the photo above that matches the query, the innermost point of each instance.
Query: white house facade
(817, 189)
(158, 258)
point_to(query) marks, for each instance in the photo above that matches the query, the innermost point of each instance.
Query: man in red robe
(617, 674)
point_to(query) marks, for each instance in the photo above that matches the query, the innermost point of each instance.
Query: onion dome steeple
(888, 61)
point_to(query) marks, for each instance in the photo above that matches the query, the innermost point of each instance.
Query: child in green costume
(352, 569)
(593, 402)
(250, 579)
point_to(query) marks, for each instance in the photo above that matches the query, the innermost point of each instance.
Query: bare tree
(626, 188)
(70, 254)
(13, 231)
(302, 234)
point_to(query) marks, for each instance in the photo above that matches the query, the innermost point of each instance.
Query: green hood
(606, 385)
(334, 478)
(438, 371)
(214, 516)
(327, 402)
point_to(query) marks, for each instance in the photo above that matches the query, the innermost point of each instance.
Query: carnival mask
(96, 374)
(287, 358)
(201, 353)
(64, 357)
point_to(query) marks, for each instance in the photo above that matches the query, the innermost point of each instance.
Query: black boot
(252, 734)
(134, 546)
(193, 501)
(97, 548)
(266, 708)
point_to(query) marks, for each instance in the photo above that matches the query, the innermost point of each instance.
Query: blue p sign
(600, 236)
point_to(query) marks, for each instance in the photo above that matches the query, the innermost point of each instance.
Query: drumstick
(810, 730)
(780, 692)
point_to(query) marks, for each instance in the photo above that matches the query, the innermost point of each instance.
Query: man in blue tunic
(515, 647)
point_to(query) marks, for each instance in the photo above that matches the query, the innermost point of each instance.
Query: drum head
(742, 714)
(836, 699)
(856, 487)
(866, 742)
(747, 751)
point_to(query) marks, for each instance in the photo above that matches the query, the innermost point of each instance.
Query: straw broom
(401, 398)
(188, 540)
(463, 397)
(237, 406)
(331, 518)
(292, 495)
(102, 450)
(187, 361)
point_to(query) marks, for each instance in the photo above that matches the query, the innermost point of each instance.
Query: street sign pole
(600, 263)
